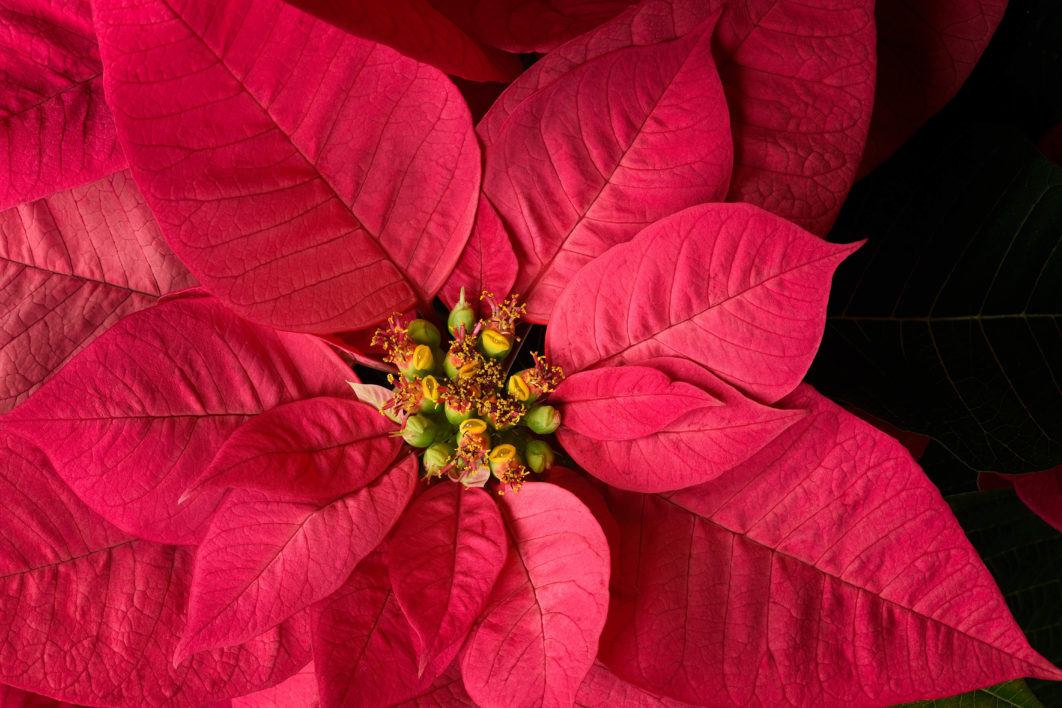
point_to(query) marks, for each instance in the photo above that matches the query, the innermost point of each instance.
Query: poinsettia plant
(225, 220)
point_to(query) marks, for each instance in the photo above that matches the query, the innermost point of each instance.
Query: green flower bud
(495, 344)
(429, 395)
(456, 416)
(420, 430)
(421, 363)
(462, 314)
(539, 455)
(542, 419)
(437, 456)
(424, 332)
(519, 389)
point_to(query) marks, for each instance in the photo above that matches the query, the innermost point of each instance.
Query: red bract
(728, 536)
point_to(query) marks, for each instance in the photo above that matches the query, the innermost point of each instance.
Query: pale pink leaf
(445, 555)
(925, 53)
(488, 262)
(590, 495)
(363, 645)
(694, 447)
(734, 288)
(71, 265)
(530, 25)
(636, 132)
(603, 689)
(418, 30)
(134, 418)
(799, 79)
(56, 132)
(538, 636)
(1041, 491)
(262, 560)
(313, 448)
(89, 614)
(298, 691)
(825, 570)
(311, 180)
(625, 402)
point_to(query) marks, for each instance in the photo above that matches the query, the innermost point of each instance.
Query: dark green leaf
(1012, 694)
(948, 321)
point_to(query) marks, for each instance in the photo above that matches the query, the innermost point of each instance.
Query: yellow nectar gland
(518, 389)
(429, 388)
(507, 467)
(423, 360)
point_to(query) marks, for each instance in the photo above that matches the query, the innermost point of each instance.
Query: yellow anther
(423, 360)
(518, 389)
(430, 388)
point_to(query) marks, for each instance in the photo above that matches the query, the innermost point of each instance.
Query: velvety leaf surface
(925, 52)
(262, 560)
(299, 691)
(363, 645)
(537, 26)
(55, 129)
(729, 286)
(91, 615)
(831, 533)
(308, 449)
(603, 689)
(625, 402)
(1022, 553)
(799, 81)
(698, 445)
(417, 29)
(327, 182)
(445, 554)
(71, 265)
(950, 322)
(606, 146)
(133, 419)
(537, 638)
(1041, 492)
(1010, 694)
(488, 262)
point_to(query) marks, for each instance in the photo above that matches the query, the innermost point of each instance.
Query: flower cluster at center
(471, 421)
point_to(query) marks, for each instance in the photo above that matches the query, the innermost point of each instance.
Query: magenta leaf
(419, 30)
(799, 79)
(11, 697)
(91, 615)
(445, 555)
(693, 447)
(134, 418)
(55, 129)
(1041, 491)
(603, 689)
(298, 691)
(736, 289)
(925, 54)
(830, 533)
(328, 181)
(262, 560)
(363, 645)
(570, 179)
(488, 262)
(313, 448)
(590, 496)
(71, 265)
(535, 26)
(538, 636)
(447, 691)
(626, 402)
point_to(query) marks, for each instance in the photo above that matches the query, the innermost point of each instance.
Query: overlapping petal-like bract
(1041, 491)
(552, 593)
(133, 419)
(729, 286)
(799, 80)
(569, 181)
(830, 532)
(55, 129)
(71, 265)
(92, 615)
(311, 180)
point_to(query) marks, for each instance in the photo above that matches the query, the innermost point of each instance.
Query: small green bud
(429, 394)
(462, 314)
(495, 344)
(539, 455)
(437, 456)
(421, 363)
(456, 416)
(520, 390)
(420, 430)
(424, 332)
(542, 419)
